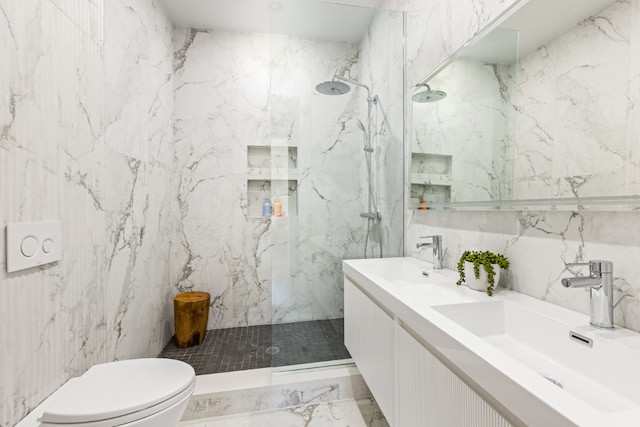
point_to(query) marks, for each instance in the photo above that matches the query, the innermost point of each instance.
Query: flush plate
(30, 244)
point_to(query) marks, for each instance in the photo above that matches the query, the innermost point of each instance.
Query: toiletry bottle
(277, 207)
(266, 208)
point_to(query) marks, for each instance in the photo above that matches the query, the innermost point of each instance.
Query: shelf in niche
(431, 179)
(284, 189)
(273, 174)
(264, 158)
(434, 194)
(431, 164)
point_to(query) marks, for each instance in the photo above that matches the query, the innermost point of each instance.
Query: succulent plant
(486, 259)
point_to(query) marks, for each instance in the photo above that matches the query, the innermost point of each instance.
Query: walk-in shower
(269, 138)
(336, 86)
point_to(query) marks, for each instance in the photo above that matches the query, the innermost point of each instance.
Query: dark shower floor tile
(253, 347)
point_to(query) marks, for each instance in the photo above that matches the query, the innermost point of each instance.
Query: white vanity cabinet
(430, 394)
(412, 386)
(369, 337)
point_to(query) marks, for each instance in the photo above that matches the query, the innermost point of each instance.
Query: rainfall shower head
(333, 87)
(427, 95)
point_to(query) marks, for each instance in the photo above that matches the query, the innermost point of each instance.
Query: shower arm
(354, 82)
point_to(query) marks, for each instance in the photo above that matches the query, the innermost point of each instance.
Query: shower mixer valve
(371, 215)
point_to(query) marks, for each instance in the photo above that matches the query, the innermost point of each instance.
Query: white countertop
(524, 392)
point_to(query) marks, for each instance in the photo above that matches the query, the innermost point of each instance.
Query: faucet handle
(576, 264)
(595, 266)
(600, 266)
(434, 237)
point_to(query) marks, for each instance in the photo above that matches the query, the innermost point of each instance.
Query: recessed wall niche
(431, 193)
(272, 175)
(264, 159)
(260, 189)
(430, 178)
(424, 163)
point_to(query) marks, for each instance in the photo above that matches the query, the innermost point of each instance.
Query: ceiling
(342, 20)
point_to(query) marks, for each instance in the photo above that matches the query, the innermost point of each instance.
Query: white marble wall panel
(342, 413)
(538, 244)
(575, 99)
(221, 106)
(263, 94)
(139, 162)
(262, 397)
(51, 167)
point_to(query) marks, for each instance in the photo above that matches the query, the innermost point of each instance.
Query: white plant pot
(482, 283)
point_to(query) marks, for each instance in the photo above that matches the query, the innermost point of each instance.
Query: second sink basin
(603, 375)
(395, 270)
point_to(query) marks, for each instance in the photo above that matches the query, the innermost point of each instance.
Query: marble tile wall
(240, 99)
(588, 75)
(85, 137)
(51, 167)
(138, 104)
(537, 243)
(221, 98)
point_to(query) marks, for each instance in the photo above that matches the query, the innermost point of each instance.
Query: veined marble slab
(255, 390)
(343, 413)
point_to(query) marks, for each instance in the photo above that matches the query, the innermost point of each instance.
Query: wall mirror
(540, 111)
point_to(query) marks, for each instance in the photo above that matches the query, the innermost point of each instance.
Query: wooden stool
(191, 311)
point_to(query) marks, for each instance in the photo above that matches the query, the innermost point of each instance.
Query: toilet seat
(116, 393)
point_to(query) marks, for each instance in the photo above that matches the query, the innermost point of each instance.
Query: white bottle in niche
(266, 208)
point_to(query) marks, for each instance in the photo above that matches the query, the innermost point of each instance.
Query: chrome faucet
(600, 283)
(436, 244)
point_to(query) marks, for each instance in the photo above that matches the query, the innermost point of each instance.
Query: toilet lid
(111, 390)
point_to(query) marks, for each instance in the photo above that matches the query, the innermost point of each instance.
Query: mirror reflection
(537, 111)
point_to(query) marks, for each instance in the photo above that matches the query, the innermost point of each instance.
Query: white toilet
(137, 392)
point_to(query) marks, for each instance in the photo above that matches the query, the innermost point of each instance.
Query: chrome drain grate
(272, 350)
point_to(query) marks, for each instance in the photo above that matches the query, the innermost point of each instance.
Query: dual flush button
(30, 244)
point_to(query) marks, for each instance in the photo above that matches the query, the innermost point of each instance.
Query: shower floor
(253, 347)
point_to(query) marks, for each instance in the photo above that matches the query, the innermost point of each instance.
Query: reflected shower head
(427, 95)
(333, 87)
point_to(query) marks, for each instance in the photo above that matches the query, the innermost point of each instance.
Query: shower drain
(272, 350)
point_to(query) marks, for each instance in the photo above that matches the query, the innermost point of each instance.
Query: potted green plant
(485, 278)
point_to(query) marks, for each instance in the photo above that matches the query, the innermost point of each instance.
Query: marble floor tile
(342, 413)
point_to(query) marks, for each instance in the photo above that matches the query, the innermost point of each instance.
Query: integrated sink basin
(404, 270)
(587, 364)
(533, 362)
